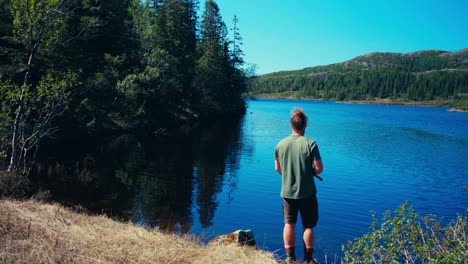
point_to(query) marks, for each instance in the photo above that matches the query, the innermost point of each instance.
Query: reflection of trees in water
(216, 152)
(165, 187)
(150, 182)
(159, 175)
(127, 178)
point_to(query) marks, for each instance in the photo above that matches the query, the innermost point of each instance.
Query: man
(297, 160)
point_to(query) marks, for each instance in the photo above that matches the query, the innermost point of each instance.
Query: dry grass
(33, 232)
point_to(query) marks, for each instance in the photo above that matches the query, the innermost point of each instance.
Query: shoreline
(446, 103)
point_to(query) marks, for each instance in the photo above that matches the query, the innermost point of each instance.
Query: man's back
(296, 155)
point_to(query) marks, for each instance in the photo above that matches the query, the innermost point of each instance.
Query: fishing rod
(316, 176)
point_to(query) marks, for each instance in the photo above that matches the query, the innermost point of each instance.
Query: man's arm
(277, 167)
(318, 166)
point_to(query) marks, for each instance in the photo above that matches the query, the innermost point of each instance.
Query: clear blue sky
(294, 34)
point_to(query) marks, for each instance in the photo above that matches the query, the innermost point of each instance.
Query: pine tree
(8, 48)
(176, 40)
(214, 58)
(237, 54)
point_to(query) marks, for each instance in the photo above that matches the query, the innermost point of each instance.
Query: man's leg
(289, 238)
(309, 214)
(290, 211)
(308, 237)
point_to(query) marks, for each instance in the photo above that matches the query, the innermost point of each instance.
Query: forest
(417, 76)
(84, 69)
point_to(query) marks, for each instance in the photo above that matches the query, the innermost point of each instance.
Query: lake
(220, 176)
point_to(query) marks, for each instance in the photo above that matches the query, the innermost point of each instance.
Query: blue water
(375, 158)
(219, 177)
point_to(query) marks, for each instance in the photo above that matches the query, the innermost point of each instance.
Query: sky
(295, 34)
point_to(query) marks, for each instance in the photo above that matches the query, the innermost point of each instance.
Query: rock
(240, 237)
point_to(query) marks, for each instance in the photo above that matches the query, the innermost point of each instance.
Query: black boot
(290, 254)
(308, 255)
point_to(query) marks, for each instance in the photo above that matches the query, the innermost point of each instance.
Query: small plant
(406, 237)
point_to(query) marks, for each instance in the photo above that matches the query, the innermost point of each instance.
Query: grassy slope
(33, 232)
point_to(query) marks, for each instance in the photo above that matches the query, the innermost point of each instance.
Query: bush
(408, 238)
(14, 185)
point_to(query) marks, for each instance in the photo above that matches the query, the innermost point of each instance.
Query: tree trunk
(14, 141)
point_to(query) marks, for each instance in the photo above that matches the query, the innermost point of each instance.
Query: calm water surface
(221, 177)
(375, 158)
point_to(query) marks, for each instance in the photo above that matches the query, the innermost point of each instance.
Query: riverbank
(35, 232)
(460, 105)
(455, 107)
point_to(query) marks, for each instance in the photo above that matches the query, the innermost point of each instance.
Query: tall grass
(34, 232)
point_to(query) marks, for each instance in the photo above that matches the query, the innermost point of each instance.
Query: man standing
(297, 160)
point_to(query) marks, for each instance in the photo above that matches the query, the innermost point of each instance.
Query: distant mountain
(420, 75)
(425, 60)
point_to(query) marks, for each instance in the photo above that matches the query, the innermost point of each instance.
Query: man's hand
(318, 166)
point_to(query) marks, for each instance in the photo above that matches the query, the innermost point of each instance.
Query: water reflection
(152, 182)
(163, 185)
(216, 148)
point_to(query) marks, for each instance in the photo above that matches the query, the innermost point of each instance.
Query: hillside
(426, 75)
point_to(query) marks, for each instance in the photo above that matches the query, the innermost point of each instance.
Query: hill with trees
(429, 75)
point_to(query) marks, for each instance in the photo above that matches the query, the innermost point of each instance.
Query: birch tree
(38, 26)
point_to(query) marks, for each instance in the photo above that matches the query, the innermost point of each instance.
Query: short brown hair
(298, 120)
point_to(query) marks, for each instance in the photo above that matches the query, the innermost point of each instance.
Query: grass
(35, 232)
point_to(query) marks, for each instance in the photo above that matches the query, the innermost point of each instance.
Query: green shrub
(407, 237)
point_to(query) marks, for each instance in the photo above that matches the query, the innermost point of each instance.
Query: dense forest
(423, 75)
(93, 67)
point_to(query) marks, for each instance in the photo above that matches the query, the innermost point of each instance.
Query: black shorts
(308, 207)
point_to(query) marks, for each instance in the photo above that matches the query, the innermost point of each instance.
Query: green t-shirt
(296, 155)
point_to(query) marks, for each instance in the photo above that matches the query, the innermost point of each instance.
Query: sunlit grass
(34, 232)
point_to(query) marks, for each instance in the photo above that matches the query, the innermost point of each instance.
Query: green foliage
(41, 105)
(420, 76)
(137, 65)
(8, 53)
(38, 22)
(9, 94)
(219, 80)
(53, 93)
(406, 237)
(236, 53)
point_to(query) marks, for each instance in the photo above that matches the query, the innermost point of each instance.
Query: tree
(160, 90)
(237, 54)
(8, 51)
(211, 66)
(237, 75)
(105, 49)
(138, 65)
(176, 40)
(43, 104)
(37, 24)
